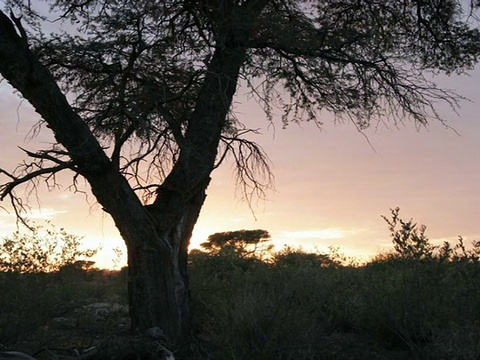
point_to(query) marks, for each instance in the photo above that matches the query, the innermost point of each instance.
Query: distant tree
(152, 84)
(244, 242)
(42, 249)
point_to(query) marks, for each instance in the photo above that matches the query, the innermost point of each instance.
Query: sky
(331, 185)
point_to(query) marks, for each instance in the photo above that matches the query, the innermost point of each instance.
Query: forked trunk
(157, 271)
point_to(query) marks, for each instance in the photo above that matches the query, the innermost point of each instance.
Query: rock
(14, 355)
(102, 310)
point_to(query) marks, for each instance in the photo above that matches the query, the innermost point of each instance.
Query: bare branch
(7, 188)
(253, 173)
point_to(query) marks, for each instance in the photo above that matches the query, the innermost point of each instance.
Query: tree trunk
(158, 277)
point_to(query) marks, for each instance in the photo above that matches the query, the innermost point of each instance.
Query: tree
(152, 84)
(244, 242)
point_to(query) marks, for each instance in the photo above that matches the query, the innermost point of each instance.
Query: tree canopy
(135, 70)
(244, 242)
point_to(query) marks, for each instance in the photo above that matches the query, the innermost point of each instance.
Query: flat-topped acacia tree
(151, 114)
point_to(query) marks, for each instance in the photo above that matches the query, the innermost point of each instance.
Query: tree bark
(158, 282)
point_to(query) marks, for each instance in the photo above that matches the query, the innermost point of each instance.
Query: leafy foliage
(41, 249)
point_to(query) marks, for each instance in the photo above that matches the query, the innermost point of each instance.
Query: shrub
(409, 241)
(41, 249)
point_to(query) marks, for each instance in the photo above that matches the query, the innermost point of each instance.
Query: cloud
(8, 223)
(321, 234)
(5, 214)
(44, 214)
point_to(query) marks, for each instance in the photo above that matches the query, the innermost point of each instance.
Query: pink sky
(331, 186)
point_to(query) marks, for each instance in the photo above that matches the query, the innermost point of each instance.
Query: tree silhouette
(243, 242)
(152, 84)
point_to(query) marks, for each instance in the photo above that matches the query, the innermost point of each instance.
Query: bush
(419, 301)
(416, 302)
(39, 278)
(41, 249)
(283, 309)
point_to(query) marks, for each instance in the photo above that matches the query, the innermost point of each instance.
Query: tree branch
(253, 171)
(7, 188)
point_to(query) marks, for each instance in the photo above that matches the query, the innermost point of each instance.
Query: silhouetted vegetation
(418, 301)
(244, 242)
(42, 249)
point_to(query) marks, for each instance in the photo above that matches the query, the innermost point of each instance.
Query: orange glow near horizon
(332, 186)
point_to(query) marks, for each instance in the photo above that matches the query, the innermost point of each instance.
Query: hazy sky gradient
(331, 185)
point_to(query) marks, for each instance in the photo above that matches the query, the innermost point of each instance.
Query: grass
(295, 306)
(417, 302)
